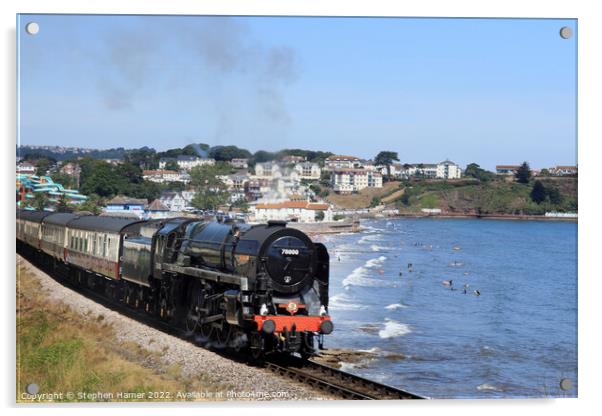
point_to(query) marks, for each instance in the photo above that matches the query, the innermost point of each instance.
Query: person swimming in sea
(477, 293)
(465, 288)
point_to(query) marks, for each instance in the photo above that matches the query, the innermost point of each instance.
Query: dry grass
(62, 351)
(363, 198)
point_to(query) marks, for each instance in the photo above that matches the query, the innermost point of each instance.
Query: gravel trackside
(164, 352)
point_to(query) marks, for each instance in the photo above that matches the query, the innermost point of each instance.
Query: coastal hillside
(364, 198)
(494, 197)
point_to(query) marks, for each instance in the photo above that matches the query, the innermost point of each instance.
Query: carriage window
(104, 246)
(94, 245)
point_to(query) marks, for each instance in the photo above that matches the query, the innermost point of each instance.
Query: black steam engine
(258, 287)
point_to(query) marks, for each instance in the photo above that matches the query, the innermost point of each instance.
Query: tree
(523, 173)
(473, 170)
(210, 190)
(209, 200)
(43, 165)
(544, 172)
(145, 157)
(554, 195)
(39, 201)
(375, 202)
(93, 204)
(63, 205)
(538, 193)
(386, 158)
(101, 178)
(227, 153)
(319, 216)
(241, 204)
(405, 198)
(261, 156)
(67, 181)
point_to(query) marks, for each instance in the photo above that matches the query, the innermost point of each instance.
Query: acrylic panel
(271, 208)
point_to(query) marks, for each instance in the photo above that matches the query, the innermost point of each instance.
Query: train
(259, 288)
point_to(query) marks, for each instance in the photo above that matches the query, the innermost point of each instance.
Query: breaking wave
(361, 275)
(394, 329)
(395, 306)
(488, 387)
(341, 301)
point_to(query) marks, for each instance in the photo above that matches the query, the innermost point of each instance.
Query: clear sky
(491, 91)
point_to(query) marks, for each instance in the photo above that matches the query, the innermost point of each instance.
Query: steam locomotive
(263, 288)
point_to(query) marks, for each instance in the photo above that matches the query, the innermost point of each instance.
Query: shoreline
(354, 226)
(515, 217)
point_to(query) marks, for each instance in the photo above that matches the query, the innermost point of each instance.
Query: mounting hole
(32, 28)
(566, 32)
(565, 384)
(32, 388)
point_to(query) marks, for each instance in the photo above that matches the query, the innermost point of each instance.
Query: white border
(590, 71)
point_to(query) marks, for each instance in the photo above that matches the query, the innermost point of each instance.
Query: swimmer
(477, 293)
(465, 288)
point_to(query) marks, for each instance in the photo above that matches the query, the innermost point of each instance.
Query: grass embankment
(63, 351)
(495, 197)
(363, 198)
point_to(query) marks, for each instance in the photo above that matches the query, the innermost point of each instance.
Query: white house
(353, 180)
(164, 176)
(448, 170)
(186, 162)
(299, 211)
(174, 201)
(442, 170)
(26, 168)
(267, 170)
(308, 170)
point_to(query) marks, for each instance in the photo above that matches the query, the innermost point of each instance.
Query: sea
(458, 308)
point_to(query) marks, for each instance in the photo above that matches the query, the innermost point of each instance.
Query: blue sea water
(518, 338)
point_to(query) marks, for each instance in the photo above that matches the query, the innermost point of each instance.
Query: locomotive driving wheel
(222, 335)
(206, 331)
(195, 303)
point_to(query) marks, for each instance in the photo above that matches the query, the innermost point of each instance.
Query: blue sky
(491, 91)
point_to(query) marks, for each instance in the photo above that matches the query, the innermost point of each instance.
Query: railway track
(334, 381)
(328, 379)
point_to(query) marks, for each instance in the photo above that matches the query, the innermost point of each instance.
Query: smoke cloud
(221, 46)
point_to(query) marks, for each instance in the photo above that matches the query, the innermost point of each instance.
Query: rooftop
(124, 200)
(157, 205)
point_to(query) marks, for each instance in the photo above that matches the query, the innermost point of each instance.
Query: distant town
(294, 185)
